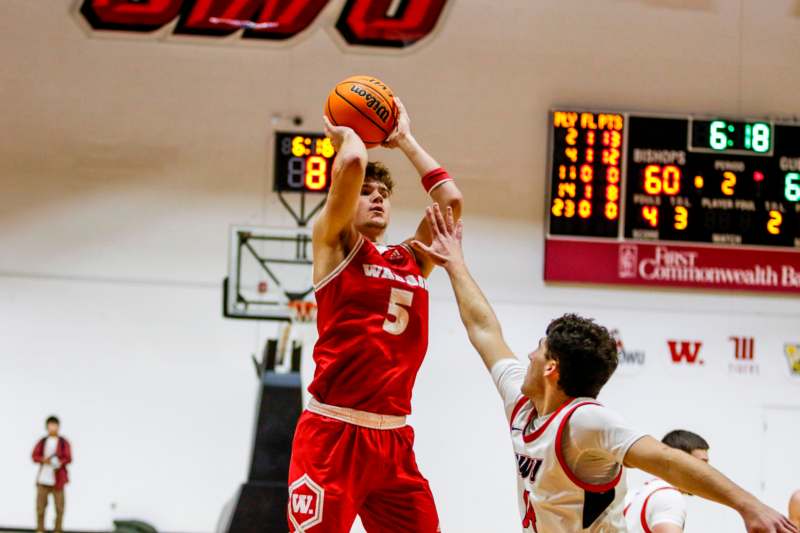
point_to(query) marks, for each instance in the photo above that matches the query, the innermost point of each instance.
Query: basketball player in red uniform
(352, 452)
(570, 450)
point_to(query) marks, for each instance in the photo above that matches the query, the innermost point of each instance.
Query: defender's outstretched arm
(694, 476)
(477, 314)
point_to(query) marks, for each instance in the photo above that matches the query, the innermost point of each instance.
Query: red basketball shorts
(340, 470)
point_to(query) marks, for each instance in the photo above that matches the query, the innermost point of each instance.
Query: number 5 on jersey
(397, 300)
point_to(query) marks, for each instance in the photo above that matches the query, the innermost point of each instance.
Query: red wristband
(434, 178)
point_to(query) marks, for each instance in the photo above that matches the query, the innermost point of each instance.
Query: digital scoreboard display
(303, 162)
(674, 181)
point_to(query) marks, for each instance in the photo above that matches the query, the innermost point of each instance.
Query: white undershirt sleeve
(666, 507)
(508, 375)
(595, 442)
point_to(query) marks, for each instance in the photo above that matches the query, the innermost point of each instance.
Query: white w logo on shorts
(306, 502)
(301, 503)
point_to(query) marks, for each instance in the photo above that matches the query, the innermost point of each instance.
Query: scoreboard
(303, 162)
(701, 200)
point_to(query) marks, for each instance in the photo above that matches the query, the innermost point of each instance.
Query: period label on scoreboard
(725, 190)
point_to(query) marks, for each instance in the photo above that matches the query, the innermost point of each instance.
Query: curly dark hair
(377, 171)
(685, 440)
(586, 353)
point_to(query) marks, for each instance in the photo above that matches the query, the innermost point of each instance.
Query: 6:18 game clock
(731, 136)
(303, 162)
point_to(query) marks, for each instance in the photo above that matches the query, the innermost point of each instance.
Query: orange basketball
(365, 104)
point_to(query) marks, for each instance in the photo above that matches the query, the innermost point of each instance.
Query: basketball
(366, 105)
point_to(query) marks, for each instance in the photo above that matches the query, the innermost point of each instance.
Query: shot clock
(303, 162)
(682, 179)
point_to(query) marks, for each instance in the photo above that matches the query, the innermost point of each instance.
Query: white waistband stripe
(356, 417)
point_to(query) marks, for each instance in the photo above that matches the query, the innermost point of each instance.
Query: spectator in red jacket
(52, 453)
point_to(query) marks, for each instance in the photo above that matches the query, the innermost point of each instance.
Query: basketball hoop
(303, 311)
(267, 269)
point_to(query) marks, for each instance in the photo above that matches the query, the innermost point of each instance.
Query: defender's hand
(336, 134)
(445, 248)
(759, 518)
(403, 129)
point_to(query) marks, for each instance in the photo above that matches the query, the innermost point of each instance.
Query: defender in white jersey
(569, 461)
(657, 506)
(571, 450)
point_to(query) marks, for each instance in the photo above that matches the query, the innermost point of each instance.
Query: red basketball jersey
(372, 319)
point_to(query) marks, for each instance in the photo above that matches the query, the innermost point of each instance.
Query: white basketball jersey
(654, 503)
(552, 498)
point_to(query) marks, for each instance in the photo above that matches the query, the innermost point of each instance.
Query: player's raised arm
(348, 178)
(436, 181)
(477, 314)
(694, 476)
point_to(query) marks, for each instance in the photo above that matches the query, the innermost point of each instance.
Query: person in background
(658, 507)
(52, 453)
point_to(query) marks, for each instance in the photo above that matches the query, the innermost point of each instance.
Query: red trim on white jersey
(643, 515)
(627, 507)
(520, 404)
(538, 433)
(605, 487)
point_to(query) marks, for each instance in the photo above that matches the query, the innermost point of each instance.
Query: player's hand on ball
(336, 134)
(403, 128)
(763, 519)
(445, 247)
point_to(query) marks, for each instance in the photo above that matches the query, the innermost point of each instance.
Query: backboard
(269, 272)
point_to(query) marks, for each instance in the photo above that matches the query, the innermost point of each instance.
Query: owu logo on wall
(380, 23)
(631, 361)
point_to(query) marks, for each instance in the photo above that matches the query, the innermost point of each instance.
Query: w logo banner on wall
(380, 23)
